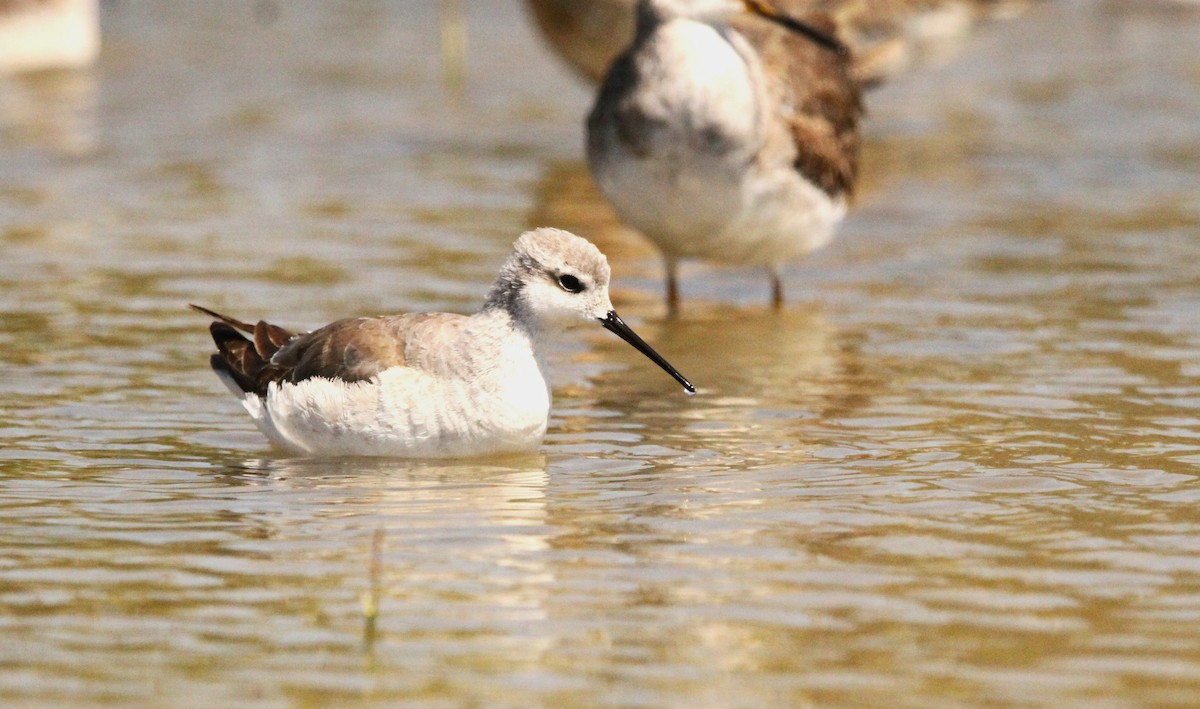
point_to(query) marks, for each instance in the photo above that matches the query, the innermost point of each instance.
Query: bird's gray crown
(547, 253)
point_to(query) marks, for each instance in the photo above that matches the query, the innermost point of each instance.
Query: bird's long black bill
(614, 324)
(817, 36)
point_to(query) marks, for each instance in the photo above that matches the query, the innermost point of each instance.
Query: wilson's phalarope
(738, 146)
(425, 385)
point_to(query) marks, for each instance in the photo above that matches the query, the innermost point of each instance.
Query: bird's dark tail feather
(244, 360)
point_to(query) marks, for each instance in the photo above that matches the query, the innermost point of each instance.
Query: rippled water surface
(960, 469)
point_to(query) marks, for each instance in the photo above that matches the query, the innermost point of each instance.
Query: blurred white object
(48, 34)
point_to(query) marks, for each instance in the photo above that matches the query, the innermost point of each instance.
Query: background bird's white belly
(782, 218)
(763, 217)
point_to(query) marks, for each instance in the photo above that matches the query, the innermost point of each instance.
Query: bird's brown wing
(351, 350)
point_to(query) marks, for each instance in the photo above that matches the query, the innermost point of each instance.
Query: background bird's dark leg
(672, 268)
(776, 287)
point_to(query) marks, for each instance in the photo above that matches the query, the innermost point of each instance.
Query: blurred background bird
(728, 130)
(887, 36)
(48, 34)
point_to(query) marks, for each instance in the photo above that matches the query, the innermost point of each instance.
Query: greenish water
(960, 469)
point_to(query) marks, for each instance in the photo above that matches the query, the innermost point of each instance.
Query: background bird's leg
(672, 268)
(776, 287)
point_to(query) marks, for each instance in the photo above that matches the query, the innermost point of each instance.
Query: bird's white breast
(700, 80)
(694, 102)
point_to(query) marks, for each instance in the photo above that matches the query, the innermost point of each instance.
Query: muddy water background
(959, 469)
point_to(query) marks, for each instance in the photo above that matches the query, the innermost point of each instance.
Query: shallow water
(960, 469)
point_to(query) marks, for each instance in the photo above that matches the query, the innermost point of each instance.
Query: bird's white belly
(755, 216)
(700, 185)
(406, 413)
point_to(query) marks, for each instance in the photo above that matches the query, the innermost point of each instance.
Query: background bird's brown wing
(820, 102)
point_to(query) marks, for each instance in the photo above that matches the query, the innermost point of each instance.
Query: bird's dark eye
(570, 283)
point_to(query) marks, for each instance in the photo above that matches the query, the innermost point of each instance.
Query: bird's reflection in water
(765, 378)
(381, 483)
(506, 494)
(426, 548)
(54, 109)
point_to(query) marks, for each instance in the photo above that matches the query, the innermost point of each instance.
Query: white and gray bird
(737, 146)
(425, 385)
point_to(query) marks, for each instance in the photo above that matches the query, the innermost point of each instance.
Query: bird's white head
(553, 278)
